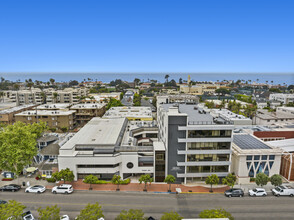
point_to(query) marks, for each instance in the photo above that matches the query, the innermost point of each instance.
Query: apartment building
(282, 97)
(85, 112)
(7, 116)
(196, 144)
(101, 97)
(24, 97)
(68, 95)
(181, 98)
(132, 113)
(55, 119)
(252, 156)
(283, 115)
(104, 147)
(55, 106)
(199, 89)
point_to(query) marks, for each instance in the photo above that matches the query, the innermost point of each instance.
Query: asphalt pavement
(188, 205)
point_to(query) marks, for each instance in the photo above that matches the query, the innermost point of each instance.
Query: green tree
(113, 103)
(91, 212)
(276, 180)
(171, 216)
(209, 104)
(169, 179)
(145, 179)
(261, 179)
(64, 174)
(18, 145)
(132, 214)
(116, 179)
(154, 101)
(121, 96)
(215, 213)
(55, 95)
(52, 81)
(49, 213)
(230, 180)
(90, 179)
(166, 78)
(64, 129)
(212, 180)
(11, 209)
(136, 81)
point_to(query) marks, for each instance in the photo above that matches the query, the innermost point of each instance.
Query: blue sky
(146, 36)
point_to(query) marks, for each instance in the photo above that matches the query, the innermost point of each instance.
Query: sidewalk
(136, 187)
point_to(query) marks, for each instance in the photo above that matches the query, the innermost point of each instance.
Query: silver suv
(63, 188)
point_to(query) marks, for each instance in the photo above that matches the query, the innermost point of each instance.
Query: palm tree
(166, 77)
(2, 95)
(52, 81)
(55, 95)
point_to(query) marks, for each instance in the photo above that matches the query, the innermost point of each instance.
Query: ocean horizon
(277, 78)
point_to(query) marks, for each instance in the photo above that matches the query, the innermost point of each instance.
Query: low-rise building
(104, 147)
(181, 98)
(56, 106)
(252, 156)
(85, 112)
(230, 116)
(133, 113)
(101, 97)
(7, 116)
(283, 115)
(282, 97)
(55, 119)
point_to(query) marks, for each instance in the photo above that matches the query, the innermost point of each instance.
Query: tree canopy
(116, 179)
(11, 209)
(145, 179)
(113, 103)
(261, 179)
(91, 212)
(169, 179)
(276, 180)
(91, 179)
(212, 180)
(18, 145)
(171, 216)
(132, 214)
(230, 180)
(64, 174)
(49, 212)
(215, 213)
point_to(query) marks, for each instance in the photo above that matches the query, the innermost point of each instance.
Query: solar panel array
(247, 142)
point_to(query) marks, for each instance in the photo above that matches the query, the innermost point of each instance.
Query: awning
(31, 169)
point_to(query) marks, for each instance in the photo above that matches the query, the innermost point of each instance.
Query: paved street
(188, 205)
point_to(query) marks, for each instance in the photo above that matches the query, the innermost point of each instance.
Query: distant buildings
(133, 113)
(283, 115)
(281, 97)
(7, 116)
(85, 112)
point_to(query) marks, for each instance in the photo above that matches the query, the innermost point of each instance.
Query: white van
(283, 191)
(63, 188)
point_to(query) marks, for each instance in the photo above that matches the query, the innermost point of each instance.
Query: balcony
(219, 174)
(183, 152)
(205, 139)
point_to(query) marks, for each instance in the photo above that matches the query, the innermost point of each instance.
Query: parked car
(64, 217)
(257, 192)
(35, 189)
(10, 187)
(283, 191)
(63, 188)
(234, 193)
(2, 202)
(28, 216)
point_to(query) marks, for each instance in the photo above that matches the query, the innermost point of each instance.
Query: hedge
(51, 180)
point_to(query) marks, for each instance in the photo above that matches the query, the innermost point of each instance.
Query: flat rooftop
(46, 112)
(196, 114)
(249, 142)
(54, 106)
(17, 108)
(134, 112)
(88, 106)
(99, 132)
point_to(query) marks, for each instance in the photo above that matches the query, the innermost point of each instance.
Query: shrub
(125, 182)
(52, 129)
(102, 182)
(252, 179)
(50, 180)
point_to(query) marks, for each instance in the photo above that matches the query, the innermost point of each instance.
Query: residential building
(283, 115)
(101, 97)
(274, 135)
(68, 95)
(135, 113)
(230, 116)
(55, 119)
(104, 147)
(55, 106)
(7, 116)
(282, 97)
(85, 112)
(252, 156)
(196, 144)
(181, 98)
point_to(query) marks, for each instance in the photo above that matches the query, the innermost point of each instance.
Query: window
(264, 157)
(249, 158)
(271, 157)
(256, 157)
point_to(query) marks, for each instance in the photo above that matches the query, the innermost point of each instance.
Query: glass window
(249, 158)
(271, 157)
(256, 157)
(264, 157)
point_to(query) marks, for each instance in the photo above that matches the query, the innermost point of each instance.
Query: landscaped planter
(7, 179)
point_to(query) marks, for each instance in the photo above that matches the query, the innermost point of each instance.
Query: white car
(64, 217)
(257, 192)
(63, 188)
(35, 189)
